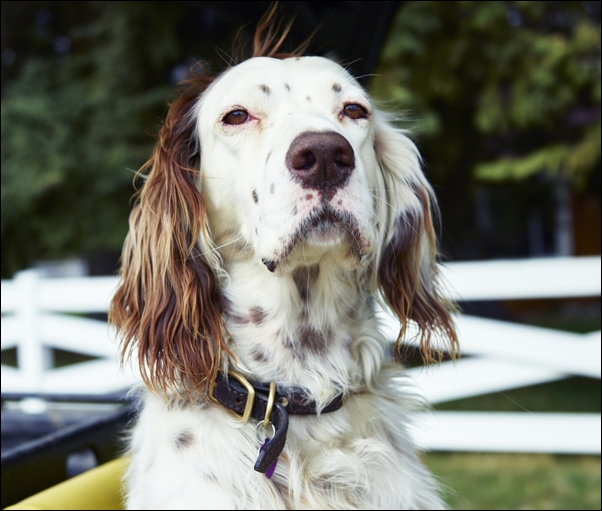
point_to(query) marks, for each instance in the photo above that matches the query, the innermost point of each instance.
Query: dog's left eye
(236, 117)
(354, 111)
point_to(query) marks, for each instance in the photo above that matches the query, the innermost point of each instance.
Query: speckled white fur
(310, 323)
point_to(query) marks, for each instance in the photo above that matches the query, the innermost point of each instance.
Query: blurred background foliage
(84, 85)
(509, 71)
(504, 98)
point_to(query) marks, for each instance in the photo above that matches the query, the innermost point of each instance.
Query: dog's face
(288, 162)
(279, 163)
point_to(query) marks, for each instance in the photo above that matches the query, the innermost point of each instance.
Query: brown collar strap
(233, 393)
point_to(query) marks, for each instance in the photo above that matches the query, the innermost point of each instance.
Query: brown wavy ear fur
(408, 272)
(410, 283)
(168, 308)
(168, 299)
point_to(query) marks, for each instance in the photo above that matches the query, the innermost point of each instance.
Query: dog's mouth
(324, 228)
(327, 227)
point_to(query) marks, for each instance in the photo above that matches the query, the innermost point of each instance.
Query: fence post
(33, 358)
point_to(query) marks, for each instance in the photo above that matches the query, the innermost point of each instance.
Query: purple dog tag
(270, 471)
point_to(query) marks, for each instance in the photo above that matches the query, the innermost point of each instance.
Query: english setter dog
(280, 205)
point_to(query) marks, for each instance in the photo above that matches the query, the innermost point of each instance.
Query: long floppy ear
(168, 307)
(407, 267)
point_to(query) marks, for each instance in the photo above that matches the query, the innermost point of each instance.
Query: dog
(279, 206)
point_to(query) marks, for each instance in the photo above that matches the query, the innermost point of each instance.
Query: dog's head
(283, 160)
(290, 144)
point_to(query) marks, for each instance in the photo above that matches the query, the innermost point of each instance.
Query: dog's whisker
(347, 66)
(215, 249)
(399, 214)
(387, 203)
(516, 403)
(366, 75)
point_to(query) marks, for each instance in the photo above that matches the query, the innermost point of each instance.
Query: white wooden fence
(40, 314)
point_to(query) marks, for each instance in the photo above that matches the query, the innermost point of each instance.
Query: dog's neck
(312, 327)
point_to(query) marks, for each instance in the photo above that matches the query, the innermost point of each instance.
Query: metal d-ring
(270, 405)
(261, 432)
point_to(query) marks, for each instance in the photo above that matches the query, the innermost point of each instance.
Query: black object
(350, 32)
(38, 464)
(19, 426)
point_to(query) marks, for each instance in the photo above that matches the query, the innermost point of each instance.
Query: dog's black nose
(320, 160)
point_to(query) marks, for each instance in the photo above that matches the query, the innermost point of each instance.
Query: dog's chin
(327, 234)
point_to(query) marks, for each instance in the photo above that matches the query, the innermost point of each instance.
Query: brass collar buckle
(246, 415)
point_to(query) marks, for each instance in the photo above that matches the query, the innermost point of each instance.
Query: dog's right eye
(236, 117)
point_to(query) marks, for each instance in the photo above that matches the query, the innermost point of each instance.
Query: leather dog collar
(233, 393)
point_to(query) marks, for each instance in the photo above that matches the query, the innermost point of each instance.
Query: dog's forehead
(297, 74)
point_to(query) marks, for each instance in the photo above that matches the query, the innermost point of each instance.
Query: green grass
(529, 481)
(523, 481)
(517, 481)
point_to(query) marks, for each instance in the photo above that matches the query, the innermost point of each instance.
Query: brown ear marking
(409, 279)
(168, 302)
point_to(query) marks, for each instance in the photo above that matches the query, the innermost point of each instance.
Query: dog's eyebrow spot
(265, 89)
(309, 196)
(259, 355)
(255, 198)
(336, 87)
(185, 439)
(257, 315)
(272, 188)
(287, 87)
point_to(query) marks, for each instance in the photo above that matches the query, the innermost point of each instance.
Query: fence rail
(39, 314)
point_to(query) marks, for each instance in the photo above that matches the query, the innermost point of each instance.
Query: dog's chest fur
(358, 457)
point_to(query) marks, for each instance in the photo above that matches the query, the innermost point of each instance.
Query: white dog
(279, 204)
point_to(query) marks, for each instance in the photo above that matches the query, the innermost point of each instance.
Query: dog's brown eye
(354, 111)
(236, 117)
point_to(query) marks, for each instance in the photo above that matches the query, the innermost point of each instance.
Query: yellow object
(98, 488)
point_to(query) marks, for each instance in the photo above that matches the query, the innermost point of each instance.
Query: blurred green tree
(73, 122)
(497, 92)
